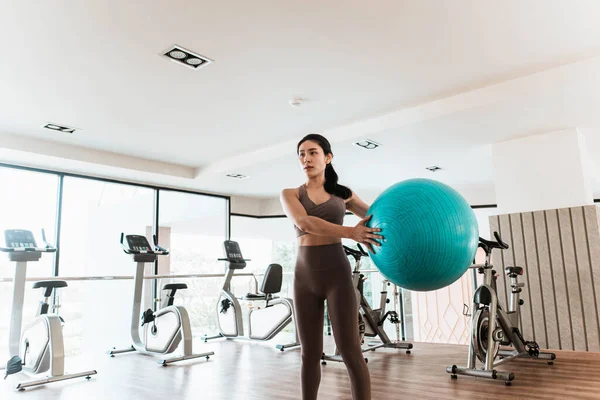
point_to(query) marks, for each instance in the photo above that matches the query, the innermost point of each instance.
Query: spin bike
(165, 328)
(230, 319)
(40, 347)
(370, 321)
(492, 327)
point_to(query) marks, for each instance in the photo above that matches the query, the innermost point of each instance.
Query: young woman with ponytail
(323, 271)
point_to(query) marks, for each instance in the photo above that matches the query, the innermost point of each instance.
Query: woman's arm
(356, 206)
(315, 226)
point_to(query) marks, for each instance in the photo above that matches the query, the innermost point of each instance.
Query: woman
(323, 271)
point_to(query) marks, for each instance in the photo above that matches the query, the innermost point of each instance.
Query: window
(193, 228)
(266, 241)
(28, 202)
(94, 213)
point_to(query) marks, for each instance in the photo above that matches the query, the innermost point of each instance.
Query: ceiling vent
(367, 144)
(60, 128)
(433, 168)
(237, 176)
(186, 57)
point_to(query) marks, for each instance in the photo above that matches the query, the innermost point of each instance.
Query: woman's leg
(309, 312)
(342, 306)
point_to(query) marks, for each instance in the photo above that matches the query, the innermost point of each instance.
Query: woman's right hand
(365, 235)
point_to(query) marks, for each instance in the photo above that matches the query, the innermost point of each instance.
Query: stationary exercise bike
(229, 312)
(40, 347)
(165, 328)
(370, 321)
(492, 327)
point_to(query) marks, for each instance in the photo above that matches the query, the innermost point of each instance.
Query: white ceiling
(488, 70)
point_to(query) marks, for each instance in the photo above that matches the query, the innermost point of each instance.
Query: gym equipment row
(39, 348)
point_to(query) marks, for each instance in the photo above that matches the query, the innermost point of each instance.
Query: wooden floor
(248, 371)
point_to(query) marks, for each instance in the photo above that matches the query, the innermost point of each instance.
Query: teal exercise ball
(430, 234)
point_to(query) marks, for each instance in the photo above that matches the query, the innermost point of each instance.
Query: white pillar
(542, 172)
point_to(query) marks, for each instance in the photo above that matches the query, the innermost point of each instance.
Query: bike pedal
(466, 310)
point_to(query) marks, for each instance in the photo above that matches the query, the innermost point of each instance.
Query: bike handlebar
(499, 240)
(355, 253)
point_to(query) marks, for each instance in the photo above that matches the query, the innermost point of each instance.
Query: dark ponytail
(331, 185)
(331, 177)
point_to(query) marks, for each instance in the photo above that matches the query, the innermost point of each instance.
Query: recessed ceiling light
(176, 54)
(59, 128)
(237, 176)
(368, 144)
(186, 57)
(194, 61)
(433, 168)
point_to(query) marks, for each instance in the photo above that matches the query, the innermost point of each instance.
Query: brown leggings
(324, 273)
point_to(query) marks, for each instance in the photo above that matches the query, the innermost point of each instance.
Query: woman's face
(312, 158)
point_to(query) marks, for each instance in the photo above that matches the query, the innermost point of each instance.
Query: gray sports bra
(333, 210)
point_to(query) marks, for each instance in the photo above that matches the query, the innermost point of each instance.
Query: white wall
(246, 205)
(271, 206)
(542, 172)
(40, 148)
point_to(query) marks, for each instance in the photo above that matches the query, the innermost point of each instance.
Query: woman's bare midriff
(314, 240)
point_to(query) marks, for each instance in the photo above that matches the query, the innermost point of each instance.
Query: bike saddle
(254, 296)
(175, 286)
(514, 270)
